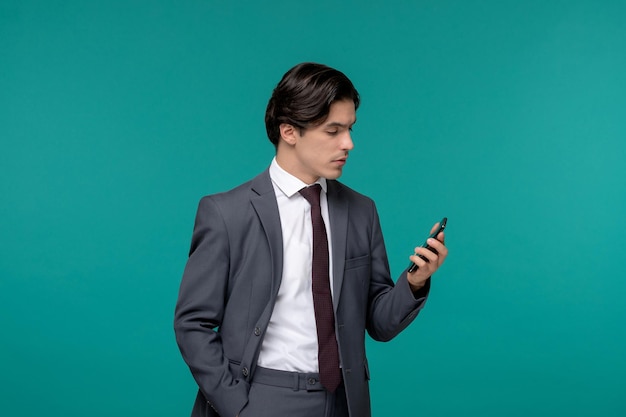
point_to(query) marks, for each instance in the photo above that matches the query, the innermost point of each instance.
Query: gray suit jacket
(232, 277)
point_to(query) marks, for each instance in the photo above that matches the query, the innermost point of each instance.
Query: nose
(346, 143)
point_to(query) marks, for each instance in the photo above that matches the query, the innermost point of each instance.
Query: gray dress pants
(288, 394)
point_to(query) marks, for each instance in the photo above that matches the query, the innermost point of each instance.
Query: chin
(333, 175)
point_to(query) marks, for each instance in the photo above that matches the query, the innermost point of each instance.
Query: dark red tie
(328, 353)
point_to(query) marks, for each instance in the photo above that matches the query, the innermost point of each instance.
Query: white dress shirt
(290, 342)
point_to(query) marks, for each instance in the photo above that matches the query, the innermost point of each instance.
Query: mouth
(342, 159)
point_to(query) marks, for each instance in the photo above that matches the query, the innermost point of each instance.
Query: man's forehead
(342, 113)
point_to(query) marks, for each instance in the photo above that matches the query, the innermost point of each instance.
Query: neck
(290, 165)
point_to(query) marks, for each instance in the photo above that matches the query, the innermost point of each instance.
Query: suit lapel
(263, 200)
(338, 214)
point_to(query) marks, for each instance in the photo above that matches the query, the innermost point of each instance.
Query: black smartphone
(442, 225)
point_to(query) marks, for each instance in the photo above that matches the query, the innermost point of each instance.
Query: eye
(332, 132)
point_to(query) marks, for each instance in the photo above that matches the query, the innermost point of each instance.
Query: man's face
(322, 151)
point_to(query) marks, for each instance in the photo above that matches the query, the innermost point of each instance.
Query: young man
(285, 276)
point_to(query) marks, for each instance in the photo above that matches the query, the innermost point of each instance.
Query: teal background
(507, 117)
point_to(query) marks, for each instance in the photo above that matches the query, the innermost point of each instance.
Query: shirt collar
(287, 183)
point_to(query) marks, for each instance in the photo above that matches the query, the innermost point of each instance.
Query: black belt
(285, 379)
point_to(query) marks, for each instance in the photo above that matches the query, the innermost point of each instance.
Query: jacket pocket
(357, 262)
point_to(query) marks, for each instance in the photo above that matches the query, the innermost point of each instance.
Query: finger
(441, 237)
(437, 245)
(421, 263)
(442, 250)
(426, 253)
(432, 230)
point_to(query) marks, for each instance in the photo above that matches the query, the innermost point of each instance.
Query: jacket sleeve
(391, 307)
(200, 309)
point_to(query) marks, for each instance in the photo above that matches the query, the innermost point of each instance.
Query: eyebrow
(337, 124)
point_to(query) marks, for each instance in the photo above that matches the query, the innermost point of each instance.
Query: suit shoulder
(232, 194)
(240, 192)
(234, 205)
(349, 193)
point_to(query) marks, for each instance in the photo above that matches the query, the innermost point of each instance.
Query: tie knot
(312, 194)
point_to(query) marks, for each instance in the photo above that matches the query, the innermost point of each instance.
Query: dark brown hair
(303, 97)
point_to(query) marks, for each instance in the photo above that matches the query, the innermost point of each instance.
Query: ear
(289, 133)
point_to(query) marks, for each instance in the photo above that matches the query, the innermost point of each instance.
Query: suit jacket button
(245, 372)
(257, 331)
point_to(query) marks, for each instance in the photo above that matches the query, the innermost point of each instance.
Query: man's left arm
(393, 307)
